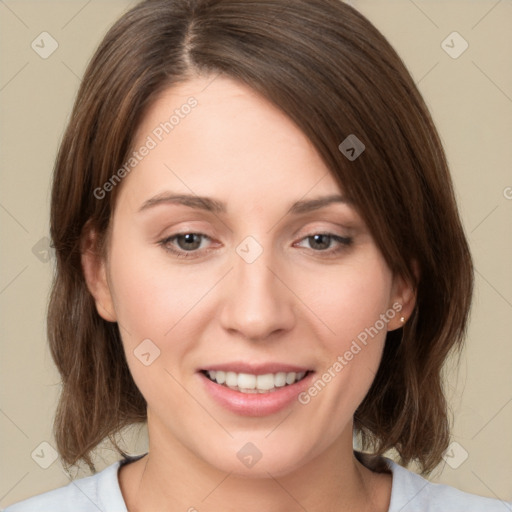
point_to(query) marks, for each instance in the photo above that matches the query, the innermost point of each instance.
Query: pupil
(189, 239)
(318, 240)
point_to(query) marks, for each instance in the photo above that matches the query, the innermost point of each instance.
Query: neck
(171, 478)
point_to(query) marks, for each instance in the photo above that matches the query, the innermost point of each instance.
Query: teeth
(264, 382)
(280, 379)
(231, 379)
(290, 377)
(246, 381)
(249, 383)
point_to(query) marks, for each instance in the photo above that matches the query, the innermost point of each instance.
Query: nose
(258, 302)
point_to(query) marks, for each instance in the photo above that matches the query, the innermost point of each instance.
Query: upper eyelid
(347, 227)
(310, 232)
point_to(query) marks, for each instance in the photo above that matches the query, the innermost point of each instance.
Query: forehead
(217, 137)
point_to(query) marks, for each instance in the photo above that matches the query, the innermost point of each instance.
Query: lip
(255, 404)
(256, 369)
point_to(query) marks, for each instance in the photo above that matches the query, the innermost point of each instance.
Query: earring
(402, 320)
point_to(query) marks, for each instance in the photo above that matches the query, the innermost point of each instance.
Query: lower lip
(255, 404)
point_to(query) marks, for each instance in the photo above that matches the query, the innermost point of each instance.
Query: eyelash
(344, 242)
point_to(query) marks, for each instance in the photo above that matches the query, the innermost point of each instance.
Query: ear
(94, 268)
(403, 298)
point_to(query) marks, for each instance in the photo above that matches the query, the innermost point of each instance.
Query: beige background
(470, 98)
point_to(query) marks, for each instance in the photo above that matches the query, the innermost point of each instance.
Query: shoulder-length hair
(334, 74)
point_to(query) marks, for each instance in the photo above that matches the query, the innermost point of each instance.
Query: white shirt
(409, 493)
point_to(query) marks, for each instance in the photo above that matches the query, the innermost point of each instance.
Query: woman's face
(281, 295)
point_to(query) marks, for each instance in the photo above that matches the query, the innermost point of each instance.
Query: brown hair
(333, 73)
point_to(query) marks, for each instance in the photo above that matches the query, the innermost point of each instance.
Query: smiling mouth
(250, 383)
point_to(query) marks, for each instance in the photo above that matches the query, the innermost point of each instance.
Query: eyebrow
(212, 205)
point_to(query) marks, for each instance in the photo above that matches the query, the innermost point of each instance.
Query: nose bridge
(252, 271)
(258, 302)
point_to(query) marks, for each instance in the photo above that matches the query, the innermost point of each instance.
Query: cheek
(151, 303)
(350, 300)
(159, 301)
(355, 308)
(150, 297)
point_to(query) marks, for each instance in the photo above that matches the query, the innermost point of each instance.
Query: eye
(322, 242)
(183, 245)
(189, 245)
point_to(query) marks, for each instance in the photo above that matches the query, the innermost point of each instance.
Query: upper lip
(256, 369)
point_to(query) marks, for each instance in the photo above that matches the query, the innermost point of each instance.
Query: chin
(260, 458)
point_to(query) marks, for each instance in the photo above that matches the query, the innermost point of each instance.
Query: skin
(297, 303)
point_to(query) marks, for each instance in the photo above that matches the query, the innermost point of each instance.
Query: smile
(250, 383)
(255, 389)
